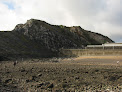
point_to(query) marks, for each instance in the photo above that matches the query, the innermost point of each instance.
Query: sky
(101, 16)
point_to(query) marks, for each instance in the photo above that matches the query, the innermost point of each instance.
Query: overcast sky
(101, 16)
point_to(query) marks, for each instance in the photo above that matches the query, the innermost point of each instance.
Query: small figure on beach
(15, 63)
(117, 62)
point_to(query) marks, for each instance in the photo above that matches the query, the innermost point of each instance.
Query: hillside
(14, 45)
(37, 38)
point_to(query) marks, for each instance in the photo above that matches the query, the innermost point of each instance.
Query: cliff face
(55, 37)
(38, 38)
(14, 45)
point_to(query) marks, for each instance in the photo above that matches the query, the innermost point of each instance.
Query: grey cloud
(117, 38)
(100, 12)
(102, 16)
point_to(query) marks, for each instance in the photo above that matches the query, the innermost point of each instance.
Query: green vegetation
(61, 26)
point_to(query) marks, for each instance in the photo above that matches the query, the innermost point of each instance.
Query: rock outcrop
(55, 37)
(38, 38)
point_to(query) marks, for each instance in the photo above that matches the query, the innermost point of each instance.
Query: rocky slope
(54, 37)
(14, 45)
(38, 38)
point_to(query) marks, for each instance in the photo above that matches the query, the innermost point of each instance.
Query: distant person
(117, 62)
(15, 63)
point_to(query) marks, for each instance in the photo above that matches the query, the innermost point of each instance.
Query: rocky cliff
(55, 37)
(38, 38)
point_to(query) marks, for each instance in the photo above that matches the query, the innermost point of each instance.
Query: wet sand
(91, 74)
